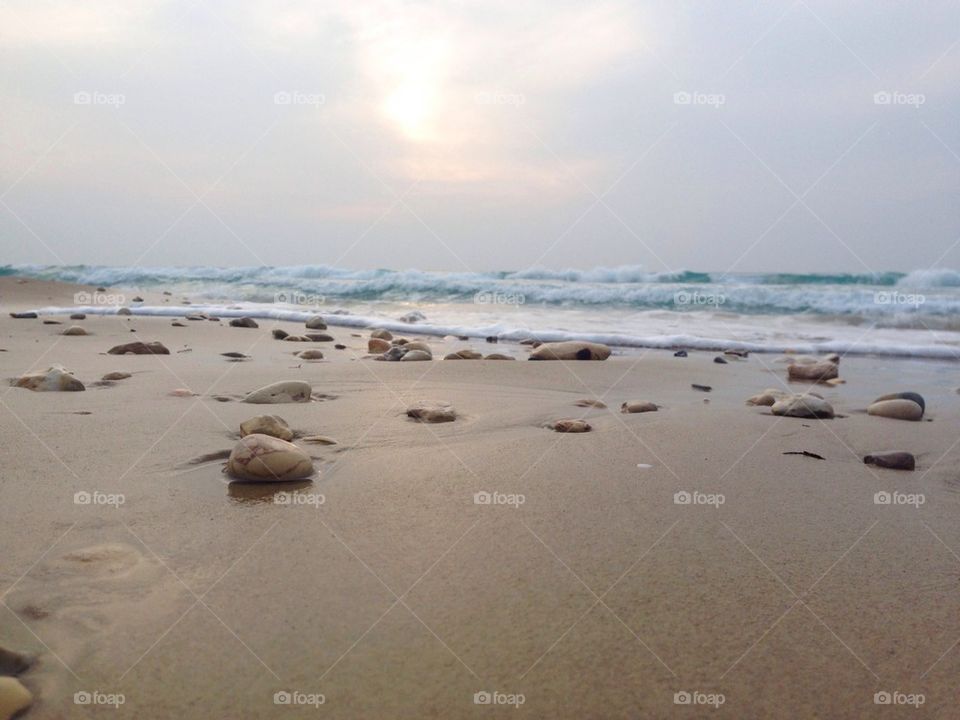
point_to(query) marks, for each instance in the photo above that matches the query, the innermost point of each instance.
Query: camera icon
(282, 498)
(82, 698)
(82, 298)
(682, 498)
(482, 698)
(682, 298)
(682, 698)
(882, 498)
(882, 98)
(882, 698)
(282, 697)
(82, 98)
(281, 297)
(82, 498)
(682, 98)
(482, 498)
(282, 98)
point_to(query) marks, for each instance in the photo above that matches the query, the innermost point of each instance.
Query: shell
(287, 391)
(268, 459)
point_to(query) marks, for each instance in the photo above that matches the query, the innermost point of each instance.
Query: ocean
(913, 314)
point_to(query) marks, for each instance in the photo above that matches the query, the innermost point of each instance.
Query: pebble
(719, 360)
(432, 412)
(310, 355)
(244, 322)
(138, 299)
(638, 406)
(196, 316)
(14, 697)
(587, 402)
(768, 397)
(818, 371)
(393, 354)
(177, 324)
(418, 345)
(116, 376)
(139, 348)
(52, 322)
(12, 663)
(378, 345)
(295, 338)
(571, 350)
(803, 406)
(54, 378)
(463, 355)
(319, 337)
(23, 315)
(316, 323)
(571, 426)
(415, 355)
(78, 316)
(339, 346)
(492, 339)
(897, 409)
(413, 316)
(382, 334)
(279, 334)
(499, 356)
(181, 392)
(680, 353)
(892, 460)
(285, 391)
(916, 397)
(319, 440)
(74, 330)
(235, 355)
(272, 425)
(124, 311)
(265, 458)
(701, 388)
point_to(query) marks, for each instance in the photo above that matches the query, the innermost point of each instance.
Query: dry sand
(398, 596)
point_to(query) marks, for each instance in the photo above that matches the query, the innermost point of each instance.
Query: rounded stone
(264, 458)
(896, 409)
(272, 425)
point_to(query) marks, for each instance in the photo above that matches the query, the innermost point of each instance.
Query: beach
(663, 559)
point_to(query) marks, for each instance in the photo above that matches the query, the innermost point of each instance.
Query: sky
(806, 136)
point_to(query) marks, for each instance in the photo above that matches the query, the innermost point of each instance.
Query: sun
(412, 107)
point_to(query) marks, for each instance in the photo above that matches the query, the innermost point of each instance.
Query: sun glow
(412, 106)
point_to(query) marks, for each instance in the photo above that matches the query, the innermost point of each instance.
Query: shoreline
(398, 595)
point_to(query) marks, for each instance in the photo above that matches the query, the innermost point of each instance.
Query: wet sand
(399, 596)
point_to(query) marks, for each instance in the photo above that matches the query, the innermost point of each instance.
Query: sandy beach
(585, 589)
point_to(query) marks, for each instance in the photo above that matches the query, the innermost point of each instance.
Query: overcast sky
(484, 135)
